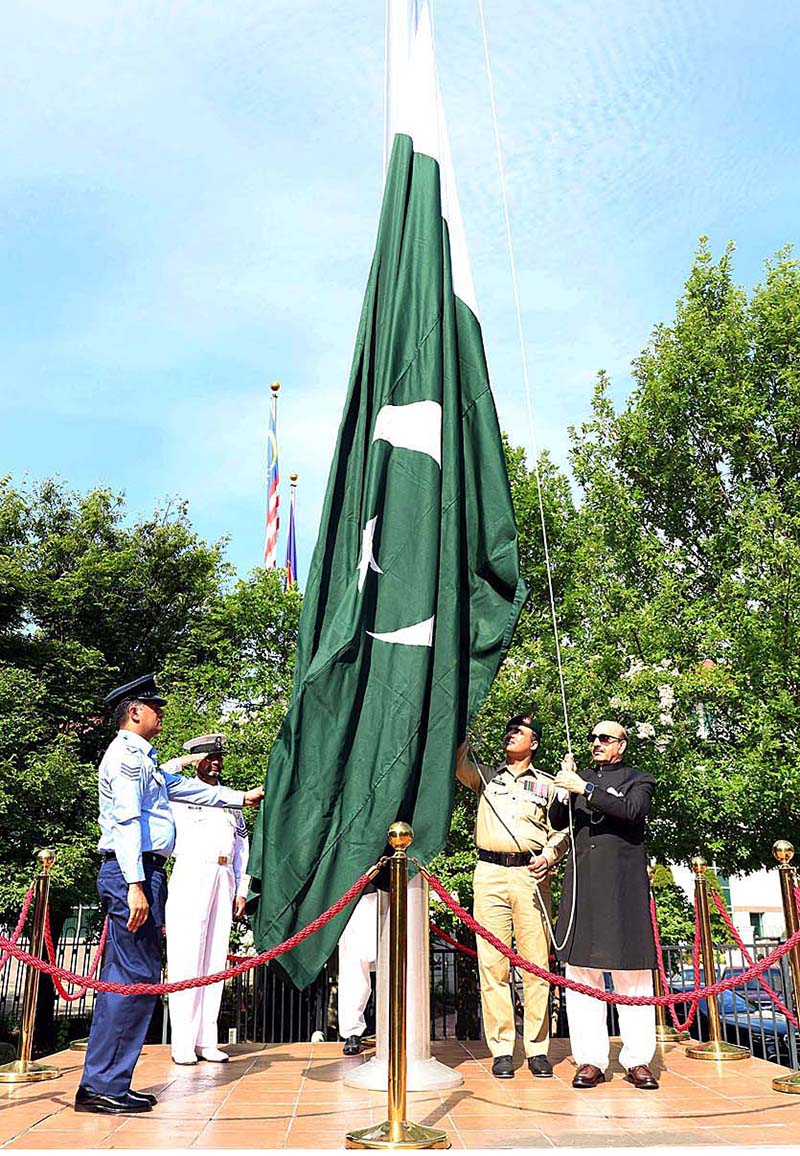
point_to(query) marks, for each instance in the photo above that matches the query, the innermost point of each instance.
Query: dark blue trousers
(120, 1022)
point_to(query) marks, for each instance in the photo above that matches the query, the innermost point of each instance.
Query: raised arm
(466, 771)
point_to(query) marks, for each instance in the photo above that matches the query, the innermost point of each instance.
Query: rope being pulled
(204, 980)
(6, 953)
(608, 996)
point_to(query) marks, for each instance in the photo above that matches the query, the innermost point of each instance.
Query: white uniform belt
(217, 860)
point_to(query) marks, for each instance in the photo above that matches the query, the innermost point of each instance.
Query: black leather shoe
(88, 1101)
(142, 1097)
(503, 1067)
(352, 1046)
(588, 1076)
(540, 1066)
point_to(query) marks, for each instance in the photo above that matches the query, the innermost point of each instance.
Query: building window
(725, 889)
(757, 923)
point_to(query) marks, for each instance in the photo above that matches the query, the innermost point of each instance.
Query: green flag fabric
(413, 593)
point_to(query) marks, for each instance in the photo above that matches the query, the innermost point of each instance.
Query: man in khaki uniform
(517, 847)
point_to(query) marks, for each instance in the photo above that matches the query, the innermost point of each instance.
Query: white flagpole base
(421, 1076)
(424, 1072)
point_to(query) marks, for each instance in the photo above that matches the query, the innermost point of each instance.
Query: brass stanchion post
(716, 1047)
(23, 1070)
(397, 1131)
(665, 1032)
(784, 853)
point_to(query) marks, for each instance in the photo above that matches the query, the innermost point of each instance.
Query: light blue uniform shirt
(135, 814)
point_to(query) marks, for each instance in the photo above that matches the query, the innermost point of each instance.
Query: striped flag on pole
(273, 500)
(291, 543)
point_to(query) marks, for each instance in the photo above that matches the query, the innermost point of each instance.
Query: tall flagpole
(291, 537)
(424, 1071)
(273, 478)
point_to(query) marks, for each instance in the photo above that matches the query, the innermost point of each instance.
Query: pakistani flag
(414, 589)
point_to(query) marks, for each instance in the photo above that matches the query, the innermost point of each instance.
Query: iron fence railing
(263, 1006)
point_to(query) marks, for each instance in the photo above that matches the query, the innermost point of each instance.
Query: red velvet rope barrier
(51, 954)
(453, 942)
(608, 996)
(26, 906)
(204, 980)
(679, 1027)
(773, 995)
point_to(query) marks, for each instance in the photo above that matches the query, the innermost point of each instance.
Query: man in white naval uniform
(207, 890)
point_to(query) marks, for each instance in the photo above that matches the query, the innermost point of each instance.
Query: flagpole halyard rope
(525, 374)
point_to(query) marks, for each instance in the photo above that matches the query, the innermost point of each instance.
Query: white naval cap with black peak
(206, 745)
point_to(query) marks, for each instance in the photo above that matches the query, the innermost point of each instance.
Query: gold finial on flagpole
(293, 478)
(275, 386)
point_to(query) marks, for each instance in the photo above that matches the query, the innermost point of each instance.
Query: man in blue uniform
(137, 837)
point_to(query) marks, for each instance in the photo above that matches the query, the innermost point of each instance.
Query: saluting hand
(138, 907)
(191, 760)
(254, 797)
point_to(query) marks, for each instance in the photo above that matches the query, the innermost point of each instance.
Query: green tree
(674, 572)
(690, 504)
(89, 599)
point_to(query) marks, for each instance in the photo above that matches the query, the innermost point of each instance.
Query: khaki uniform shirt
(511, 816)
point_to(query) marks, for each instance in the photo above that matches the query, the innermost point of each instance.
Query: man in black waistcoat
(610, 929)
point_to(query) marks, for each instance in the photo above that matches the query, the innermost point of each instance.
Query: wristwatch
(588, 791)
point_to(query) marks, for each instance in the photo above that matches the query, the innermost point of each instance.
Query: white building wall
(758, 893)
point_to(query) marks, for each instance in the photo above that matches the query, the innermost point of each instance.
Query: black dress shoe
(540, 1066)
(588, 1076)
(142, 1097)
(642, 1077)
(88, 1101)
(352, 1046)
(503, 1067)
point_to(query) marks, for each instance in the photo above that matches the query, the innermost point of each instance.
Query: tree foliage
(88, 600)
(675, 562)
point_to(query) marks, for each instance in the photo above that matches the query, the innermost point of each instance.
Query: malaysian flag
(273, 500)
(291, 543)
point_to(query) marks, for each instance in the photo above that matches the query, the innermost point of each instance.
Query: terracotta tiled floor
(292, 1096)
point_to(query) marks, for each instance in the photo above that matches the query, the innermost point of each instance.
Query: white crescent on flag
(419, 634)
(416, 426)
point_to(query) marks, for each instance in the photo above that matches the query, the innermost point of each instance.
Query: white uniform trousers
(199, 914)
(588, 1030)
(357, 955)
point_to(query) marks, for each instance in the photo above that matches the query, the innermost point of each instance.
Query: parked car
(747, 1014)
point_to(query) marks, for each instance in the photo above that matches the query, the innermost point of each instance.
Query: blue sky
(189, 194)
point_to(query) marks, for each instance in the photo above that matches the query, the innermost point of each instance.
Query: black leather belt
(147, 857)
(506, 858)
